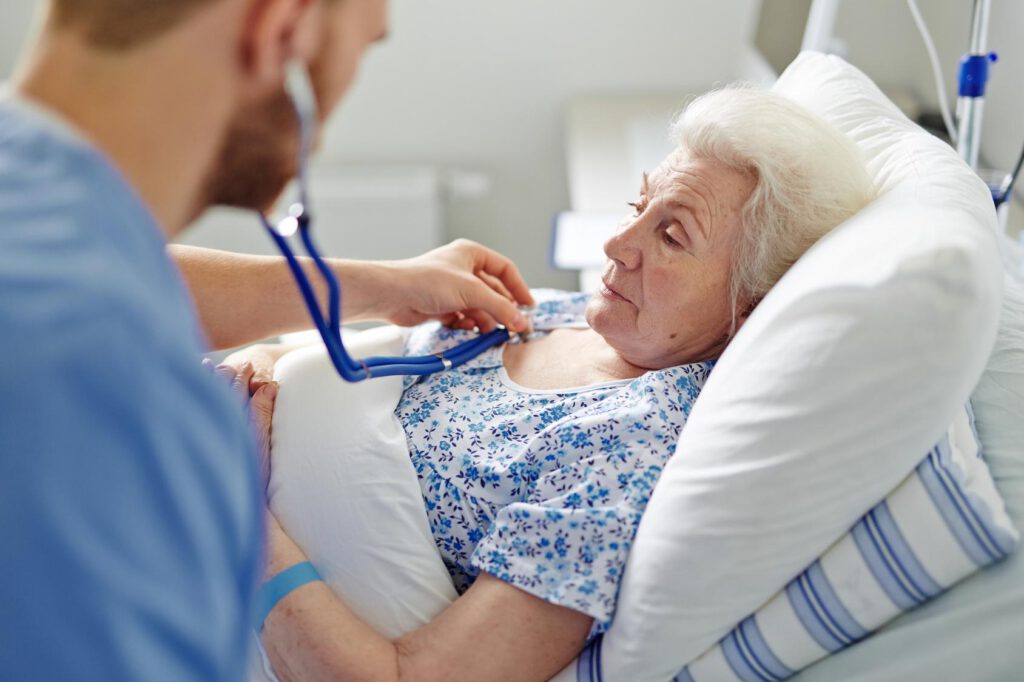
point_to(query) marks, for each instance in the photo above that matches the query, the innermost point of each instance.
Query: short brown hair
(122, 24)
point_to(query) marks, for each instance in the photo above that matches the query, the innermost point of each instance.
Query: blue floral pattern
(542, 489)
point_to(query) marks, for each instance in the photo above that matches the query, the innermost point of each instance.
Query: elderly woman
(536, 460)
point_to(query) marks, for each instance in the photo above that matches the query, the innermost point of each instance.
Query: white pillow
(944, 522)
(343, 487)
(847, 372)
(975, 631)
(345, 490)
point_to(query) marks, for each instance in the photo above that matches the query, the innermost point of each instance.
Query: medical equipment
(1011, 179)
(933, 57)
(971, 95)
(300, 90)
(973, 78)
(965, 133)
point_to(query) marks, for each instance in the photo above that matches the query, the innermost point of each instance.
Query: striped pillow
(944, 522)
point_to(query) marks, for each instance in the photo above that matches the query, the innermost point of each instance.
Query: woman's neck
(567, 358)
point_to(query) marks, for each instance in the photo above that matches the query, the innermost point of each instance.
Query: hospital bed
(971, 632)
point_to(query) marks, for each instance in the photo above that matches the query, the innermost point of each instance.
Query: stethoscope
(300, 90)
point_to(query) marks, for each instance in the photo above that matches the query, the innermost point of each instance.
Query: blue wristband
(279, 587)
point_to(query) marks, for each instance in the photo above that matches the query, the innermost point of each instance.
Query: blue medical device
(300, 90)
(974, 72)
(973, 77)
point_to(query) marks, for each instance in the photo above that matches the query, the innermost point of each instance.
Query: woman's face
(665, 294)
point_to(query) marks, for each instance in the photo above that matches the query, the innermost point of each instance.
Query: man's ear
(277, 31)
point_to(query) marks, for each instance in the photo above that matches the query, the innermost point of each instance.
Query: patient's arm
(243, 298)
(493, 632)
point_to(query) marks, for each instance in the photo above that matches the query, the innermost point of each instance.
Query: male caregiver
(130, 496)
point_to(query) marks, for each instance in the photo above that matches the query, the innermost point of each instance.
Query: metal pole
(979, 26)
(819, 34)
(973, 76)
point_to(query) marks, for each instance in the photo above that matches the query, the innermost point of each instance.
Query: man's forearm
(242, 298)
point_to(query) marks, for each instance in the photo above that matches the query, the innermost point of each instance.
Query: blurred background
(487, 120)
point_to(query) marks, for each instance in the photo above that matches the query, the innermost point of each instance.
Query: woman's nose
(622, 247)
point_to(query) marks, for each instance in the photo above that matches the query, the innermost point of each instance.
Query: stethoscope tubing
(300, 90)
(330, 329)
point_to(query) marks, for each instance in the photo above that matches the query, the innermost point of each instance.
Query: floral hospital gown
(541, 488)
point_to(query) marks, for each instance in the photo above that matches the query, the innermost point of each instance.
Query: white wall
(485, 86)
(465, 84)
(16, 23)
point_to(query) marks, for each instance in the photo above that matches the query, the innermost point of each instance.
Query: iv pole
(819, 35)
(973, 77)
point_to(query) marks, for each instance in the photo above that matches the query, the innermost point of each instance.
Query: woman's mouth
(609, 292)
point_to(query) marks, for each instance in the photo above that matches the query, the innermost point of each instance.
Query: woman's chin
(604, 319)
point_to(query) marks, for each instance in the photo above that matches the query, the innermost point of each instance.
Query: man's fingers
(494, 308)
(496, 265)
(479, 318)
(496, 284)
(457, 320)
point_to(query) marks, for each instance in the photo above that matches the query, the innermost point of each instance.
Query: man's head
(259, 155)
(258, 152)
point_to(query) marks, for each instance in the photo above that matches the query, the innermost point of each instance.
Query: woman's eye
(638, 207)
(673, 235)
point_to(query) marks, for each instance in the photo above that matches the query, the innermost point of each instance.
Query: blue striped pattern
(588, 664)
(821, 612)
(891, 560)
(813, 604)
(971, 530)
(749, 655)
(683, 676)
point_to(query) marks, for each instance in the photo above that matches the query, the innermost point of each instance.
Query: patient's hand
(261, 406)
(261, 412)
(260, 357)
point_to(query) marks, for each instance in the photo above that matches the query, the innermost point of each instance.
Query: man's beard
(257, 159)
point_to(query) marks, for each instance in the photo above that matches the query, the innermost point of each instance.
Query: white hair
(809, 178)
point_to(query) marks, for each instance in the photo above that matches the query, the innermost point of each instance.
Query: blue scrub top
(129, 507)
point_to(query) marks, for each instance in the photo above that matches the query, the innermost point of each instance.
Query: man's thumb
(500, 308)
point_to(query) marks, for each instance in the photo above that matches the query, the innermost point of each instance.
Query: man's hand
(463, 284)
(242, 298)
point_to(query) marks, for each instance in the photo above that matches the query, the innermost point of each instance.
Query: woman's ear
(275, 32)
(742, 316)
